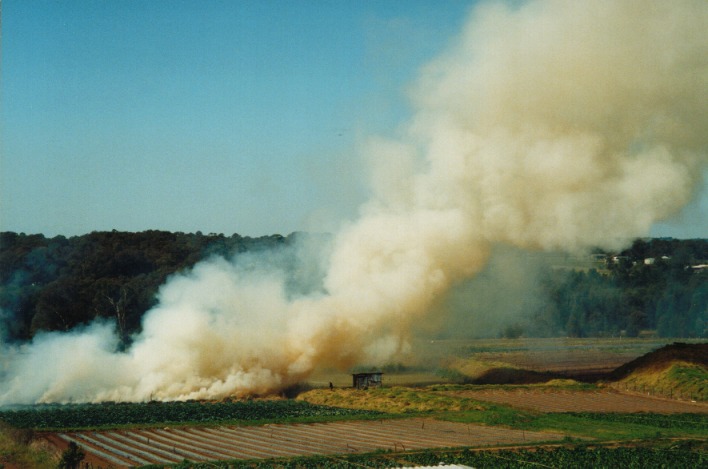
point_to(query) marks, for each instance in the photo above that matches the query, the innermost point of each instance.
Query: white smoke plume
(546, 125)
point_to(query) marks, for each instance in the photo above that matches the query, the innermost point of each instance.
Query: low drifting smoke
(548, 125)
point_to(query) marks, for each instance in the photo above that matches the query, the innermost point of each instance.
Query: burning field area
(345, 420)
(543, 126)
(547, 126)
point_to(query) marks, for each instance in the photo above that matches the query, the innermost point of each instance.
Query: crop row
(115, 414)
(675, 421)
(677, 457)
(577, 457)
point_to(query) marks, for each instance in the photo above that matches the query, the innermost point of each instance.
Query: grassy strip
(431, 402)
(395, 400)
(588, 425)
(613, 428)
(679, 379)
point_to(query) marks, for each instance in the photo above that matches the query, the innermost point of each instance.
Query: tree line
(658, 285)
(50, 284)
(58, 283)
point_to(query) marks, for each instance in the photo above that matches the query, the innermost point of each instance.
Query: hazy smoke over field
(550, 125)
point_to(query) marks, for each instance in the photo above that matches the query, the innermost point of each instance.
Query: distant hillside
(59, 283)
(659, 286)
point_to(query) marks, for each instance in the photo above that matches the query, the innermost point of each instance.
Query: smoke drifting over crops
(550, 125)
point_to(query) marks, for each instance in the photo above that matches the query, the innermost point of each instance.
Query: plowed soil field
(605, 400)
(126, 448)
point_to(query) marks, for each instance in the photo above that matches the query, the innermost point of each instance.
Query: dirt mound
(475, 371)
(663, 358)
(504, 375)
(677, 371)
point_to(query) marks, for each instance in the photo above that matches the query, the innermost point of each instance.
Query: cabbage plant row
(692, 422)
(683, 455)
(69, 416)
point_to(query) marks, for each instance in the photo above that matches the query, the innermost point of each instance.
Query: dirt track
(127, 448)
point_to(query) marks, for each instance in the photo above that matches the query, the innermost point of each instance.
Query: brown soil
(605, 400)
(61, 445)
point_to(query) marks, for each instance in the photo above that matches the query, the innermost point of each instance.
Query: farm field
(665, 454)
(450, 419)
(432, 360)
(112, 415)
(127, 448)
(408, 419)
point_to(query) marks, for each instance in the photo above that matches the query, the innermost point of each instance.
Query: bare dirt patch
(601, 400)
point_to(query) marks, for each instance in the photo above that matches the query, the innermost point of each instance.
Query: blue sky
(219, 116)
(214, 116)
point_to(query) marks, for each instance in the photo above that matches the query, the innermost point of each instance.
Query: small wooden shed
(364, 380)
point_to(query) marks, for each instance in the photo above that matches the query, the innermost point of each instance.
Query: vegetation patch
(107, 415)
(596, 426)
(449, 402)
(620, 426)
(661, 453)
(414, 401)
(693, 423)
(660, 359)
(674, 370)
(394, 400)
(19, 448)
(687, 380)
(59, 283)
(474, 371)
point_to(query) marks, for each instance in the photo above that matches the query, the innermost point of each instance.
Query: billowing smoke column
(549, 125)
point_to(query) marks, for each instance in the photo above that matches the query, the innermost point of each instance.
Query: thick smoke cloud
(546, 125)
(561, 124)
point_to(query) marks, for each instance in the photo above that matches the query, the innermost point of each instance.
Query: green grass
(623, 426)
(600, 426)
(392, 400)
(693, 379)
(436, 401)
(446, 402)
(688, 380)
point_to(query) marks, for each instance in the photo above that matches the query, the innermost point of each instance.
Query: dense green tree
(71, 458)
(664, 293)
(59, 283)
